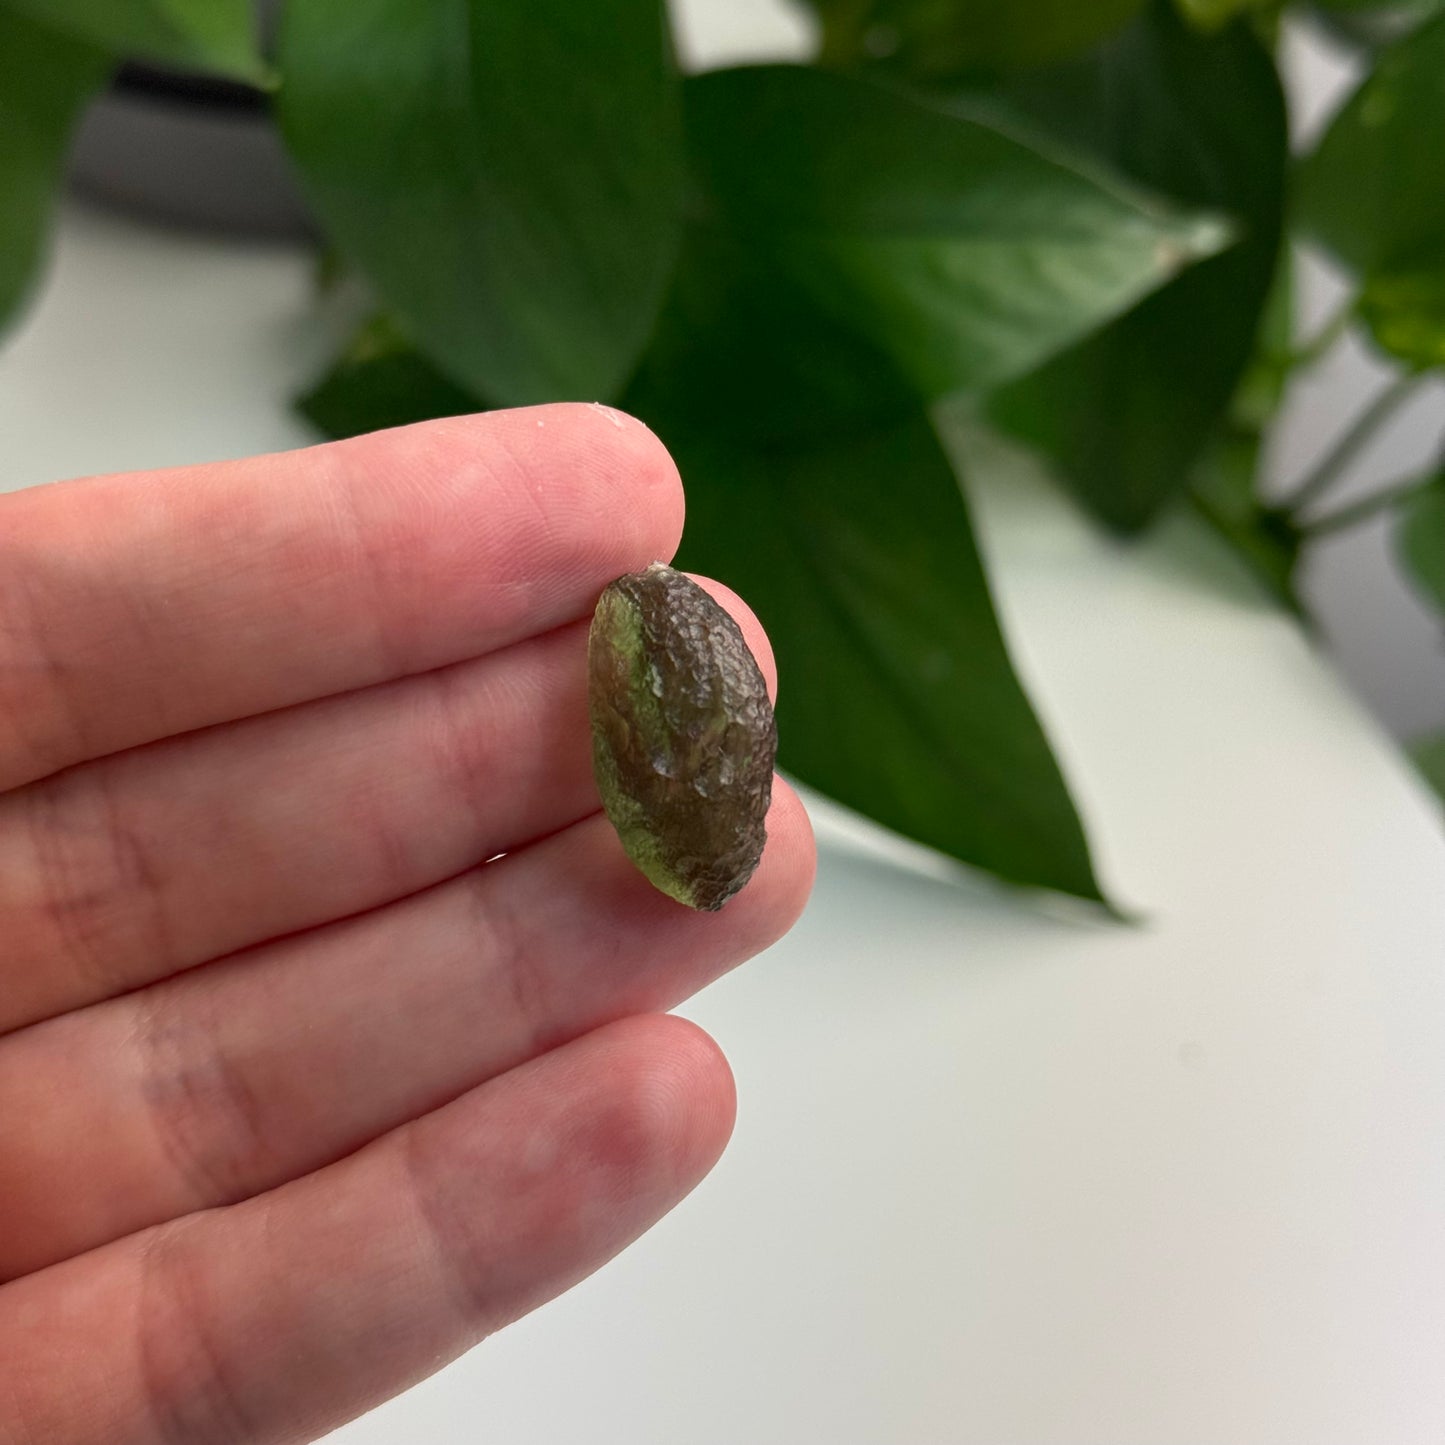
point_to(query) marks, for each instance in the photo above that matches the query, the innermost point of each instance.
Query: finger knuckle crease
(521, 977)
(190, 1386)
(38, 707)
(208, 1121)
(461, 1271)
(99, 881)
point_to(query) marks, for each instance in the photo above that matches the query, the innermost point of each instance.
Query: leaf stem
(1354, 441)
(1350, 516)
(1323, 341)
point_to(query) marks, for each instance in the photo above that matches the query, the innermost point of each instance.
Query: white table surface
(1002, 1175)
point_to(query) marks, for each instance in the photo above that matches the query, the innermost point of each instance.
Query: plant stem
(1355, 439)
(1366, 507)
(1323, 341)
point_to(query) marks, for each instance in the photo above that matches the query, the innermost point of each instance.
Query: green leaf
(1126, 414)
(210, 35)
(1428, 754)
(507, 174)
(1373, 192)
(1405, 311)
(966, 255)
(1420, 540)
(45, 81)
(900, 698)
(741, 348)
(379, 381)
(1262, 388)
(1212, 15)
(947, 37)
(817, 486)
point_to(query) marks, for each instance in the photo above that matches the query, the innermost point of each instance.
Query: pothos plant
(1076, 215)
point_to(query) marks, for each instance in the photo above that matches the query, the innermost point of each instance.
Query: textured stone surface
(683, 737)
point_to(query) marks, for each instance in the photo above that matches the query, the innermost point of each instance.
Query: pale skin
(300, 1096)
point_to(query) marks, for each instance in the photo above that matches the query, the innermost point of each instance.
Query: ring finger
(228, 1080)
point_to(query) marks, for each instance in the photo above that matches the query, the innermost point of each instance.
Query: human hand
(299, 1095)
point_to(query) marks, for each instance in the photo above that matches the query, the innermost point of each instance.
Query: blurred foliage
(215, 36)
(1374, 193)
(944, 37)
(508, 173)
(1373, 24)
(966, 256)
(1420, 538)
(1127, 414)
(46, 77)
(1074, 217)
(1429, 755)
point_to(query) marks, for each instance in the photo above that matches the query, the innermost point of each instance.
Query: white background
(1005, 1173)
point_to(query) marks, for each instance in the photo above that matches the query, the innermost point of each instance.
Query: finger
(279, 1319)
(134, 867)
(137, 607)
(231, 1079)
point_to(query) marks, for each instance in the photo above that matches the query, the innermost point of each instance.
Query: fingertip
(703, 1079)
(569, 491)
(777, 894)
(790, 859)
(632, 461)
(663, 1104)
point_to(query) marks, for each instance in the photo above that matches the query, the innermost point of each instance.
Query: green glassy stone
(683, 736)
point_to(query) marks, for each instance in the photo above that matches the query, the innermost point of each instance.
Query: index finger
(136, 607)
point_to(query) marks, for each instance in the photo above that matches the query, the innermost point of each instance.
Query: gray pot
(192, 150)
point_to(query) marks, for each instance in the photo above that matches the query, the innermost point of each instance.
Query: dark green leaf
(817, 486)
(210, 35)
(946, 37)
(1405, 311)
(1420, 540)
(1429, 756)
(1127, 413)
(45, 80)
(1374, 193)
(507, 173)
(964, 254)
(743, 351)
(381, 380)
(1212, 15)
(900, 700)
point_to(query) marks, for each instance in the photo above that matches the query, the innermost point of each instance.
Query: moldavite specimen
(683, 737)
